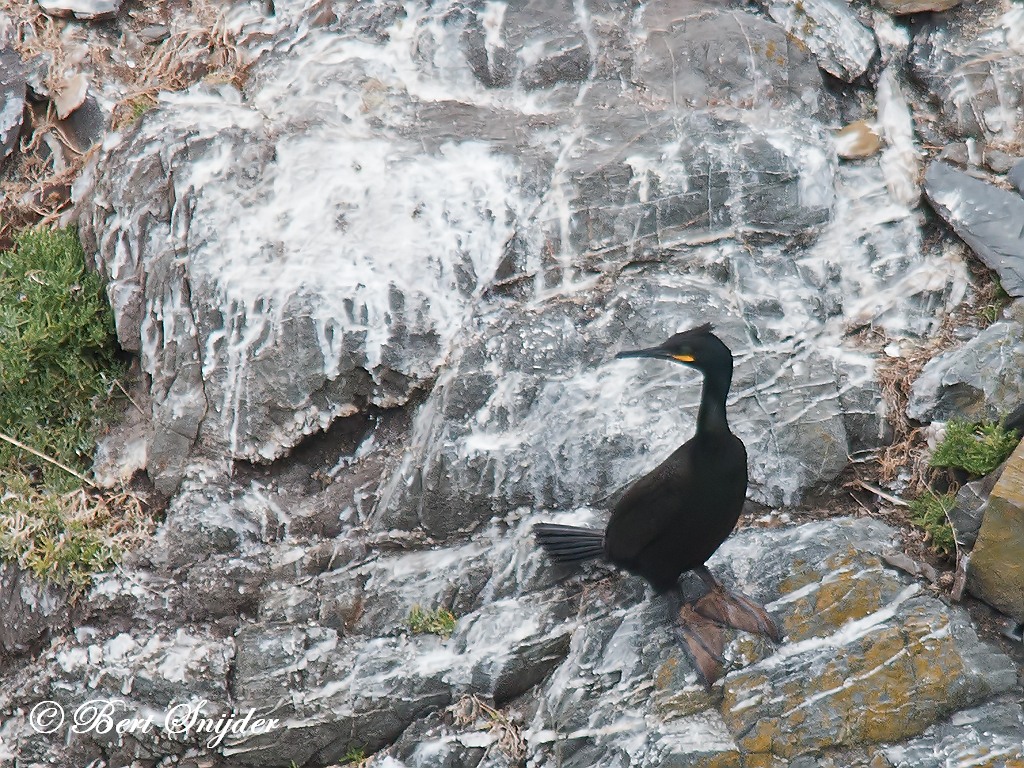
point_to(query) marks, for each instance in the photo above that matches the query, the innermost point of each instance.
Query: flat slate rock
(86, 10)
(971, 381)
(988, 218)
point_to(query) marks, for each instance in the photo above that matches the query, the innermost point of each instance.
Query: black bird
(673, 519)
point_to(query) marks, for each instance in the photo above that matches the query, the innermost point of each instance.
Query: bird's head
(698, 348)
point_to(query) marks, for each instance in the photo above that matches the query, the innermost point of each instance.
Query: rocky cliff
(376, 290)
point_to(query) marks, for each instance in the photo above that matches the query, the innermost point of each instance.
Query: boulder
(975, 381)
(996, 571)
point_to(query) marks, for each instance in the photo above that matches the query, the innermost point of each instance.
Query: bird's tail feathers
(568, 543)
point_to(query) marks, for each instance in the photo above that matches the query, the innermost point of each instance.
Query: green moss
(440, 621)
(57, 354)
(929, 512)
(975, 448)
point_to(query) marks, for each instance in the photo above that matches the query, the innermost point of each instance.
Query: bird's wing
(648, 507)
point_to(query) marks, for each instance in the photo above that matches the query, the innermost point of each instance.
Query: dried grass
(472, 712)
(36, 183)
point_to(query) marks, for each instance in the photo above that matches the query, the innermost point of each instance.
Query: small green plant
(929, 512)
(439, 621)
(991, 310)
(354, 756)
(975, 448)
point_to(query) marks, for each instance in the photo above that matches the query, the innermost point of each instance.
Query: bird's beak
(656, 352)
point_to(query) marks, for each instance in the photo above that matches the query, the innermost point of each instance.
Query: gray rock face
(209, 265)
(987, 735)
(379, 293)
(974, 382)
(12, 97)
(30, 608)
(831, 31)
(591, 662)
(974, 71)
(986, 217)
(698, 55)
(969, 510)
(1016, 175)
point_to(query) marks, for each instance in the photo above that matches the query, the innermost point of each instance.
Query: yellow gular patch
(683, 358)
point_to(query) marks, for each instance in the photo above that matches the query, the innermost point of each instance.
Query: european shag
(673, 519)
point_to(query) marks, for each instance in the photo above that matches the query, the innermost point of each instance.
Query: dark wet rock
(224, 378)
(479, 451)
(596, 664)
(87, 10)
(87, 124)
(846, 618)
(975, 74)
(12, 98)
(831, 31)
(223, 585)
(957, 153)
(131, 673)
(973, 382)
(30, 609)
(374, 688)
(996, 572)
(985, 216)
(203, 521)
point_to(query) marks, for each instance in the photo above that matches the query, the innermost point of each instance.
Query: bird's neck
(711, 419)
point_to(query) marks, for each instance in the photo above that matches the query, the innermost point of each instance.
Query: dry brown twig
(471, 709)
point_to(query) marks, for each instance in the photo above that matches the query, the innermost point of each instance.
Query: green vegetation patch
(57, 354)
(975, 448)
(929, 512)
(67, 537)
(354, 756)
(58, 367)
(439, 621)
